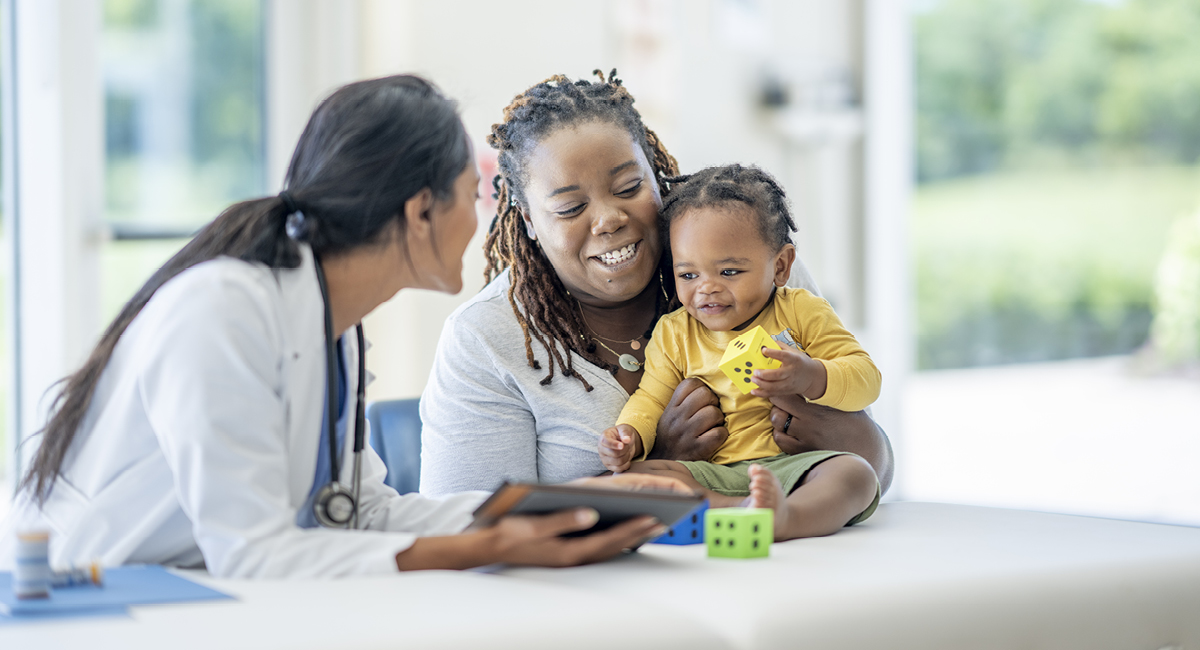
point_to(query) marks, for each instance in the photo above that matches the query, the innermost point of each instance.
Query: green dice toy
(739, 532)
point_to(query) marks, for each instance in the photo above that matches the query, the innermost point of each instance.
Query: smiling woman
(578, 280)
(593, 211)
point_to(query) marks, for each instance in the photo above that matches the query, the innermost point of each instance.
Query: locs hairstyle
(549, 313)
(367, 149)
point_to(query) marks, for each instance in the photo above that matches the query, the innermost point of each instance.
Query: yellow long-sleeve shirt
(681, 347)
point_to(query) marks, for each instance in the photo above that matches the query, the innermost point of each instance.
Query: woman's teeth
(618, 256)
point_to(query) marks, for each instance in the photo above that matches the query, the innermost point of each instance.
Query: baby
(728, 229)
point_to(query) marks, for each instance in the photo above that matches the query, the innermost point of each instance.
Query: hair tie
(295, 225)
(288, 202)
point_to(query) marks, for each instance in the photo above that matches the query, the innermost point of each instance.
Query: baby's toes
(763, 488)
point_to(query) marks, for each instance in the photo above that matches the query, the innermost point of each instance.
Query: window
(184, 127)
(1057, 155)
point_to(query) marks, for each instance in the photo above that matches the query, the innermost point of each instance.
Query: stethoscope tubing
(331, 402)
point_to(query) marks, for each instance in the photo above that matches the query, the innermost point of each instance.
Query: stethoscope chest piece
(334, 506)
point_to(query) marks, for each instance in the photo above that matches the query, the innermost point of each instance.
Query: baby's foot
(767, 492)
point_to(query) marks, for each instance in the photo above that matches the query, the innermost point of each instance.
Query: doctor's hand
(530, 541)
(535, 541)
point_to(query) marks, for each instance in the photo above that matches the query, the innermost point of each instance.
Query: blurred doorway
(1055, 240)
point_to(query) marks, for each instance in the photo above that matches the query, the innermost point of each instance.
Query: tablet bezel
(614, 505)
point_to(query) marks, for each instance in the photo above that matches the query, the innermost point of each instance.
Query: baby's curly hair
(725, 187)
(550, 314)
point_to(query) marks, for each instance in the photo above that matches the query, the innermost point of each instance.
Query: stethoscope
(335, 505)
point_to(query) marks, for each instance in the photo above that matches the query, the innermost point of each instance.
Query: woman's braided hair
(550, 315)
(726, 186)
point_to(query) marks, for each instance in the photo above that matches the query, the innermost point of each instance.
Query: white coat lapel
(303, 370)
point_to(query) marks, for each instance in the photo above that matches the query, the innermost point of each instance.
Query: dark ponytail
(366, 150)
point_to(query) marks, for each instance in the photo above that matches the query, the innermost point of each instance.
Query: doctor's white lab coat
(201, 442)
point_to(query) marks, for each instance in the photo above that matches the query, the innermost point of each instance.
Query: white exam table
(925, 576)
(916, 575)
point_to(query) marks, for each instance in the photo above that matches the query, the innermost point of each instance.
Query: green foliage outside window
(1003, 81)
(1056, 142)
(204, 60)
(1176, 330)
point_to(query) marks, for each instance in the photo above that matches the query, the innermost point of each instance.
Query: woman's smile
(619, 258)
(593, 207)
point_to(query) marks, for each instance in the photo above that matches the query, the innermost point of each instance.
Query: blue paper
(113, 611)
(123, 586)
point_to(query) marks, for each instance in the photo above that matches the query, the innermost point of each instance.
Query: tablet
(614, 505)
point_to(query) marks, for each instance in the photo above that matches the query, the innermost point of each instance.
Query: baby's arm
(639, 418)
(834, 370)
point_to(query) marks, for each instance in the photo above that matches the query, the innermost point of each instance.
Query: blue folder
(123, 586)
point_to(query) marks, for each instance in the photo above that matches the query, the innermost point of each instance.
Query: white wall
(312, 48)
(482, 54)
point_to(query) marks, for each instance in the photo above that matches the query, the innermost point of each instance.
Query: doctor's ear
(418, 213)
(419, 206)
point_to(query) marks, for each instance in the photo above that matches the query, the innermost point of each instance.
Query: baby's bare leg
(831, 494)
(676, 469)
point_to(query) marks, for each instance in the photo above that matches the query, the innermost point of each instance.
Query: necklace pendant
(629, 362)
(635, 344)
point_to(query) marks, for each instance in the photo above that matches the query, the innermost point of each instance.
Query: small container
(88, 574)
(31, 578)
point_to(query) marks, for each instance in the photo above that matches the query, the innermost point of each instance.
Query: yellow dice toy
(744, 356)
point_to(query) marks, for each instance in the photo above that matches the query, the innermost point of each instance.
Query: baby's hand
(619, 445)
(800, 374)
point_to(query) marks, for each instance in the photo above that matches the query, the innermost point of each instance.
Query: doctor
(214, 423)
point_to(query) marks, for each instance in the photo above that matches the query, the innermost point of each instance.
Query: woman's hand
(692, 427)
(800, 426)
(531, 541)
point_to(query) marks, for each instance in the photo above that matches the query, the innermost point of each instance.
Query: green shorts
(733, 480)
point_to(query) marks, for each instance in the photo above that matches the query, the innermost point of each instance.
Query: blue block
(689, 530)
